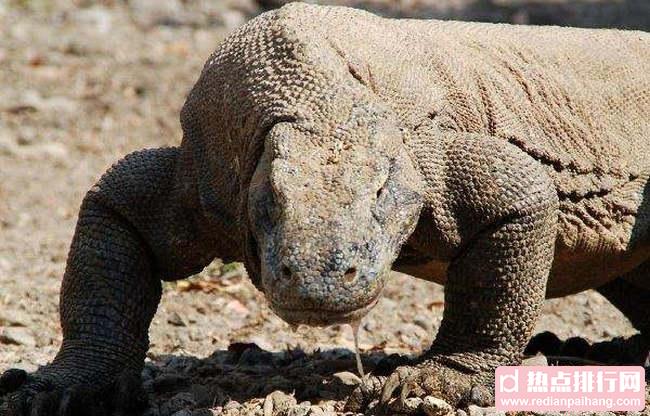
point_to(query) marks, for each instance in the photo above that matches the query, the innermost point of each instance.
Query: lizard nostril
(286, 272)
(350, 275)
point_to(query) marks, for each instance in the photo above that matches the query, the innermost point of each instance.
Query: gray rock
(278, 402)
(412, 404)
(299, 411)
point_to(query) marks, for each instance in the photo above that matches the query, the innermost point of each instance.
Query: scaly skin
(325, 146)
(124, 245)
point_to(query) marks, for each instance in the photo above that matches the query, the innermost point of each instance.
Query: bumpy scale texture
(324, 146)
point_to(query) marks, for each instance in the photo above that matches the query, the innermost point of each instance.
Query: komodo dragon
(324, 146)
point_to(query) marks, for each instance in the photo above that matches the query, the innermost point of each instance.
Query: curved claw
(404, 394)
(37, 396)
(366, 392)
(481, 396)
(429, 385)
(411, 394)
(394, 381)
(477, 395)
(391, 385)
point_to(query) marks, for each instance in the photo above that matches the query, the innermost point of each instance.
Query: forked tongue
(355, 332)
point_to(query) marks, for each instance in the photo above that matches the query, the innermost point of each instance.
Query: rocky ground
(84, 83)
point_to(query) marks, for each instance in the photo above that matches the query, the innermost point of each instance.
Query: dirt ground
(84, 83)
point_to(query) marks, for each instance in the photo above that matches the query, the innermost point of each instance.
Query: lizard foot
(409, 388)
(23, 394)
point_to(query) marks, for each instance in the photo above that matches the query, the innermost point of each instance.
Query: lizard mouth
(321, 317)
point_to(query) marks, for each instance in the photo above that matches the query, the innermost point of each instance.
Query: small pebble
(299, 411)
(434, 406)
(412, 404)
(492, 411)
(232, 404)
(474, 410)
(278, 402)
(347, 378)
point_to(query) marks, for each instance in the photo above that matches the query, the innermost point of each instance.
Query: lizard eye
(382, 203)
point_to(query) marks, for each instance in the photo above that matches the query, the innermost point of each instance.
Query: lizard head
(328, 214)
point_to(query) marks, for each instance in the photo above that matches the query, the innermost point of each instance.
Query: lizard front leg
(132, 231)
(495, 212)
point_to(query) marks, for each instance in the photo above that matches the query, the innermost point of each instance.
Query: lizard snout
(324, 287)
(349, 276)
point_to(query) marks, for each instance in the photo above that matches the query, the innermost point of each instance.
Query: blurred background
(83, 83)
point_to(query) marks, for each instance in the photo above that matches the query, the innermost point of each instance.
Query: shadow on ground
(245, 378)
(246, 374)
